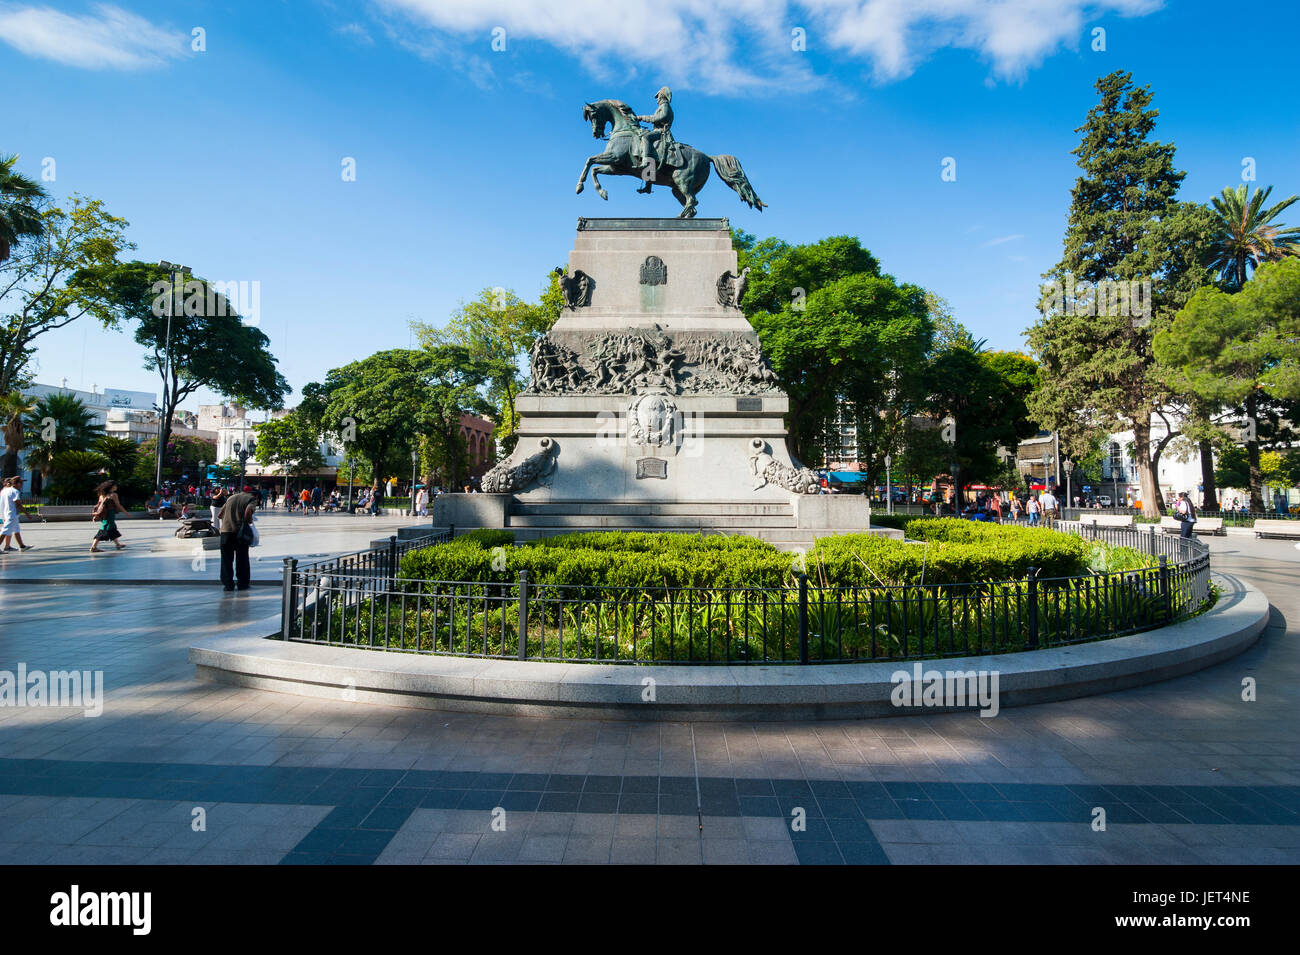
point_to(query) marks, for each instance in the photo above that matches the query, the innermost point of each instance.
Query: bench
(1203, 525)
(1271, 528)
(1106, 520)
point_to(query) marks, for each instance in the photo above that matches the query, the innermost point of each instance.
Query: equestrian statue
(655, 157)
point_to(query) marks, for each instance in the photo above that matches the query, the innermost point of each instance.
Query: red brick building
(478, 439)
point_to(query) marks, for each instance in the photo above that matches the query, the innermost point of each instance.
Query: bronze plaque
(651, 468)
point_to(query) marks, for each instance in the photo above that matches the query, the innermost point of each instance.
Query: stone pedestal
(650, 404)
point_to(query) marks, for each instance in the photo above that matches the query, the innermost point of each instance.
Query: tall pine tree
(1133, 255)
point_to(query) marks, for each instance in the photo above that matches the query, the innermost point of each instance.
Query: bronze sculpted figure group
(655, 157)
(643, 360)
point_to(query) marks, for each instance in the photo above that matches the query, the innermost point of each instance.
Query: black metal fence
(360, 601)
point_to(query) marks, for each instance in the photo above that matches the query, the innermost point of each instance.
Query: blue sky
(229, 159)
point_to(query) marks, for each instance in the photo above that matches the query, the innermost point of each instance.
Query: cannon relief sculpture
(768, 470)
(507, 478)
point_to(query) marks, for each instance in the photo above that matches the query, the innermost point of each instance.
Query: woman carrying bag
(1186, 514)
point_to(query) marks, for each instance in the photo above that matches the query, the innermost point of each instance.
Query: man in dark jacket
(235, 516)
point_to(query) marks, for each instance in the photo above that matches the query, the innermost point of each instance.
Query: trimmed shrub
(944, 551)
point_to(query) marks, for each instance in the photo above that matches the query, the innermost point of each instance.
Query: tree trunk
(1209, 490)
(1252, 455)
(1146, 468)
(9, 462)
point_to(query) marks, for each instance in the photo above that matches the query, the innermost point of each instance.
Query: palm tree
(13, 407)
(19, 216)
(56, 423)
(120, 453)
(1245, 236)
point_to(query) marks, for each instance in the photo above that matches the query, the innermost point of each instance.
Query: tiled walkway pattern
(1186, 770)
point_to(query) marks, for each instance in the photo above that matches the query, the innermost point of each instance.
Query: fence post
(1164, 587)
(451, 531)
(392, 561)
(1094, 528)
(1152, 539)
(287, 598)
(803, 618)
(523, 614)
(1032, 581)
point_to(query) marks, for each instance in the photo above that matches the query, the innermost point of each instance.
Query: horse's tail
(728, 168)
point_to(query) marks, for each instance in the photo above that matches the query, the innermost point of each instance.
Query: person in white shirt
(1048, 503)
(10, 516)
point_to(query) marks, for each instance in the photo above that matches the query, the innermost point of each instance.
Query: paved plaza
(1186, 771)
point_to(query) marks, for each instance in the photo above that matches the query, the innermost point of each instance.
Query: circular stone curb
(725, 693)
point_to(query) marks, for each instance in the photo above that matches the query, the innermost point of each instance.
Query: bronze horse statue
(623, 157)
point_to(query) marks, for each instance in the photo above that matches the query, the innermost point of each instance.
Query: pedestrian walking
(106, 511)
(236, 538)
(315, 499)
(304, 498)
(11, 516)
(1033, 509)
(1048, 506)
(422, 502)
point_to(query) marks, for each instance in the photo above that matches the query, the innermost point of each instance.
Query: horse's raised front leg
(595, 178)
(604, 157)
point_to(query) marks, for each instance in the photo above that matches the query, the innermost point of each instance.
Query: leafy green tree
(1245, 235)
(58, 422)
(291, 442)
(1234, 350)
(55, 278)
(375, 406)
(456, 378)
(14, 407)
(981, 397)
(498, 329)
(181, 456)
(74, 474)
(195, 339)
(1098, 372)
(20, 214)
(837, 331)
(1233, 469)
(120, 455)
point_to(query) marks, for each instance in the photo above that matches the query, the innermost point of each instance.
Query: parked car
(1103, 500)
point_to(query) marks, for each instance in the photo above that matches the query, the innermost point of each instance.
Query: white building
(101, 404)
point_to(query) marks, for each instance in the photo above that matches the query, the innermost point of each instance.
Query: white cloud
(357, 32)
(1013, 35)
(108, 39)
(732, 45)
(1003, 239)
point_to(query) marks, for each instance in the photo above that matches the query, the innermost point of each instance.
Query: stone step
(638, 508)
(626, 521)
(782, 538)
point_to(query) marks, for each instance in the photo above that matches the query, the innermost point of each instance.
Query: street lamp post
(1068, 465)
(175, 272)
(1047, 464)
(415, 457)
(889, 486)
(352, 466)
(244, 453)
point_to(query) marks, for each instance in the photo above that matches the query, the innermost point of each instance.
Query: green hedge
(941, 551)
